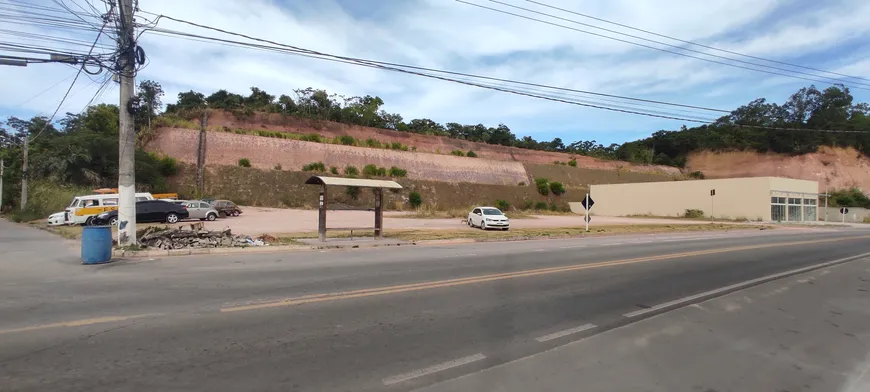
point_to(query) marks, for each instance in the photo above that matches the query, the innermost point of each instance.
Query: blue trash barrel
(96, 244)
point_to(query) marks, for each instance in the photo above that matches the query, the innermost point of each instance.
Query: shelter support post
(321, 215)
(379, 212)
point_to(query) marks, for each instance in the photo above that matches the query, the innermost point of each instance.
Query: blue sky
(444, 34)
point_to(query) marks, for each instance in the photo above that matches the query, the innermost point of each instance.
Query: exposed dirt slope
(265, 153)
(838, 167)
(433, 144)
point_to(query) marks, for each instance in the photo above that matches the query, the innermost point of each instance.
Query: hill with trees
(810, 118)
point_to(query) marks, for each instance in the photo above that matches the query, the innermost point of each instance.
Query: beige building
(753, 198)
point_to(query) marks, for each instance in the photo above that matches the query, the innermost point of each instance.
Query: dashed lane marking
(433, 369)
(565, 332)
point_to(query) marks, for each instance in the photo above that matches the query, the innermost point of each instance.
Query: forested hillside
(809, 118)
(749, 127)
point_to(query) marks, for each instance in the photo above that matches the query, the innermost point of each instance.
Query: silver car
(201, 210)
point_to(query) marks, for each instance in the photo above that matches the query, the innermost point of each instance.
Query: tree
(188, 100)
(149, 94)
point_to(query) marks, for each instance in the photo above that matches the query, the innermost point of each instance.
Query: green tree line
(80, 149)
(752, 127)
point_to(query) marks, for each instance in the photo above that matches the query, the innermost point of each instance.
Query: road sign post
(844, 211)
(712, 204)
(587, 205)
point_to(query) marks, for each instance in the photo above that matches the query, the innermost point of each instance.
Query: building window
(777, 213)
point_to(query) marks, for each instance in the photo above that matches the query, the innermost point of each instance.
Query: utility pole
(200, 154)
(127, 132)
(24, 173)
(1, 184)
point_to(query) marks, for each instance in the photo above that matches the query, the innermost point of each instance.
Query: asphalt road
(365, 319)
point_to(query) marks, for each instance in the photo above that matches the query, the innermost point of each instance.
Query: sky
(445, 34)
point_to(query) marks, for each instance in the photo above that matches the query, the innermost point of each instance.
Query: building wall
(855, 215)
(736, 198)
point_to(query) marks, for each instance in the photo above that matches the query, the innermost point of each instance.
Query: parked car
(226, 208)
(148, 211)
(201, 210)
(57, 219)
(488, 218)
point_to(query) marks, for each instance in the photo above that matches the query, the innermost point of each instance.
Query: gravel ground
(258, 220)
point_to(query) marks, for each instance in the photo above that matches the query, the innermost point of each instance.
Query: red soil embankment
(423, 143)
(265, 153)
(838, 168)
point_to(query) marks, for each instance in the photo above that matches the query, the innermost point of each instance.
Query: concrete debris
(194, 237)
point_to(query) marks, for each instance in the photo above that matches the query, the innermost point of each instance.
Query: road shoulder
(806, 332)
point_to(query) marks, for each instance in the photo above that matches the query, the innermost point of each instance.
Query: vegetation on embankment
(809, 108)
(287, 189)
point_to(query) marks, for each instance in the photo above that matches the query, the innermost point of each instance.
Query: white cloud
(448, 35)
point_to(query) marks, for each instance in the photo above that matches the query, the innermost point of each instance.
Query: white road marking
(538, 250)
(574, 246)
(566, 332)
(642, 242)
(747, 283)
(433, 369)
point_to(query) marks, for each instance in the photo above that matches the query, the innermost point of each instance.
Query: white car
(57, 219)
(488, 218)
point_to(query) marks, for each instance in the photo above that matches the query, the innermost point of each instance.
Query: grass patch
(517, 234)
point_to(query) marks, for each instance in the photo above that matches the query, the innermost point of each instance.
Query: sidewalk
(809, 332)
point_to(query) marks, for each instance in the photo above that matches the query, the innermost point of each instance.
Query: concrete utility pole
(127, 133)
(200, 155)
(24, 173)
(1, 184)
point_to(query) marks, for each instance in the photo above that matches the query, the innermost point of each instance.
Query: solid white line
(566, 332)
(740, 285)
(432, 369)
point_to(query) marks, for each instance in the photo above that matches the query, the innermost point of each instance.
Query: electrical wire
(694, 43)
(65, 95)
(672, 46)
(293, 50)
(854, 85)
(378, 64)
(477, 84)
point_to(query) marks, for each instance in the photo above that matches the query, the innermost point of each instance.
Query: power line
(289, 49)
(855, 85)
(694, 43)
(392, 66)
(669, 45)
(365, 63)
(82, 68)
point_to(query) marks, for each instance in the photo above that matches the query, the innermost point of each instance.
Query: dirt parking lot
(258, 220)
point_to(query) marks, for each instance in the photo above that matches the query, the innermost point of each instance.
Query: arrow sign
(844, 210)
(588, 202)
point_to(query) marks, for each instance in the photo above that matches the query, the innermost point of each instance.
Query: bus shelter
(322, 205)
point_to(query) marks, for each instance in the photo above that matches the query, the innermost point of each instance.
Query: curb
(247, 249)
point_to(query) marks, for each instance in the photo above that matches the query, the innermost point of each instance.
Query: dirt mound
(837, 168)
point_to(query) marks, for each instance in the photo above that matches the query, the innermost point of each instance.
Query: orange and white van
(83, 209)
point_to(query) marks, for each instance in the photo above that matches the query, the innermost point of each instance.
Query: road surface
(358, 320)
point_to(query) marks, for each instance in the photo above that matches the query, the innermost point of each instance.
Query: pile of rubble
(193, 237)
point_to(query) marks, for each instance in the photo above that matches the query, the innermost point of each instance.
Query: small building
(752, 198)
